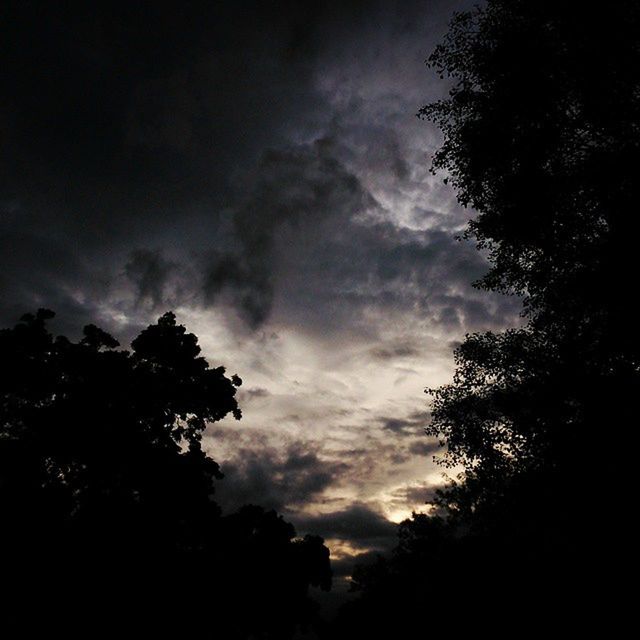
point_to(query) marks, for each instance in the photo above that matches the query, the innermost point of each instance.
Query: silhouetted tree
(103, 444)
(106, 491)
(542, 139)
(268, 574)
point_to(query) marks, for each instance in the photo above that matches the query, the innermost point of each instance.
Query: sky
(257, 167)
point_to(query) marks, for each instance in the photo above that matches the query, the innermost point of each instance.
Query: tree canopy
(105, 489)
(103, 439)
(542, 140)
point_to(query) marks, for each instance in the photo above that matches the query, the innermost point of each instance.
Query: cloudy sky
(257, 167)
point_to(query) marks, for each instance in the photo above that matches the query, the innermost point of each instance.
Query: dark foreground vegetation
(542, 140)
(106, 496)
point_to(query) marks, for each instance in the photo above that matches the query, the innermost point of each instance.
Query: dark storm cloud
(337, 266)
(132, 128)
(396, 351)
(425, 447)
(152, 99)
(409, 426)
(257, 392)
(150, 272)
(43, 268)
(122, 124)
(135, 128)
(275, 479)
(413, 496)
(290, 189)
(358, 524)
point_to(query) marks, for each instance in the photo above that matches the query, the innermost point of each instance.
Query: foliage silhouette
(542, 139)
(105, 486)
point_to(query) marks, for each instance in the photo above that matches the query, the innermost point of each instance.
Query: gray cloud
(409, 426)
(257, 392)
(289, 189)
(356, 265)
(123, 127)
(276, 479)
(148, 156)
(425, 447)
(396, 351)
(414, 495)
(359, 524)
(149, 271)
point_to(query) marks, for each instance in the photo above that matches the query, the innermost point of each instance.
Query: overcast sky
(257, 167)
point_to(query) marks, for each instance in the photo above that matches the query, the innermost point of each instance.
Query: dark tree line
(542, 139)
(107, 510)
